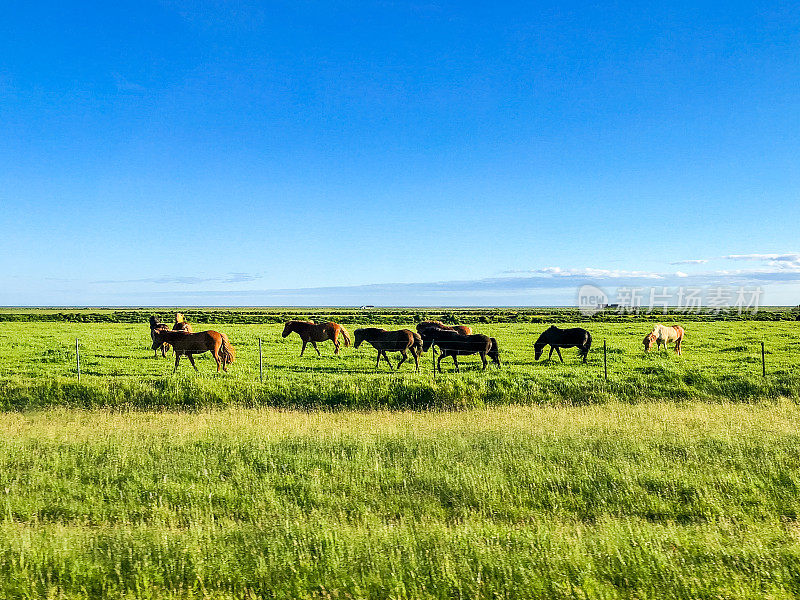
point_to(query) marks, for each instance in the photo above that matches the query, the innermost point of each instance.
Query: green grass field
(721, 361)
(656, 500)
(676, 477)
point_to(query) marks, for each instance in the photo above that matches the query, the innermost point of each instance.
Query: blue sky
(396, 153)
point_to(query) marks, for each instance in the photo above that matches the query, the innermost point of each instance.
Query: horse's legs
(483, 360)
(549, 356)
(439, 362)
(216, 354)
(558, 351)
(416, 359)
(585, 352)
(402, 360)
(678, 348)
(455, 362)
(378, 362)
(304, 347)
(191, 360)
(313, 343)
(387, 359)
(177, 358)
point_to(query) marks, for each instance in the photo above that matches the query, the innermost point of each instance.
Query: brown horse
(391, 341)
(313, 332)
(454, 344)
(462, 329)
(181, 324)
(156, 325)
(197, 343)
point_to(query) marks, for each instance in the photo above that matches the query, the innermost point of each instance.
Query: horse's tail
(494, 351)
(588, 342)
(345, 335)
(416, 347)
(226, 350)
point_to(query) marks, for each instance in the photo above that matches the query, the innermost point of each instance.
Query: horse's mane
(438, 324)
(371, 329)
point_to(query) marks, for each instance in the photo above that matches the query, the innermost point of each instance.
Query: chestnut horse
(662, 334)
(392, 341)
(313, 332)
(462, 329)
(156, 325)
(197, 343)
(181, 324)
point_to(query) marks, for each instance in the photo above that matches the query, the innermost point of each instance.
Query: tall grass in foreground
(646, 501)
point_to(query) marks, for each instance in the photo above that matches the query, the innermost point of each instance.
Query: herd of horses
(451, 341)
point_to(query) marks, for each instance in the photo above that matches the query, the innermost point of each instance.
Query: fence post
(433, 360)
(78, 358)
(605, 360)
(260, 363)
(763, 362)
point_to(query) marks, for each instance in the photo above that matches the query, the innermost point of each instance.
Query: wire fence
(453, 348)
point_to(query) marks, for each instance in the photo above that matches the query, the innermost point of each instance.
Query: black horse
(156, 325)
(563, 338)
(454, 344)
(391, 341)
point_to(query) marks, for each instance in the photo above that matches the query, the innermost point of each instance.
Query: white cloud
(586, 272)
(788, 261)
(691, 261)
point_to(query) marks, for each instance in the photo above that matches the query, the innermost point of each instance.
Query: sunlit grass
(651, 500)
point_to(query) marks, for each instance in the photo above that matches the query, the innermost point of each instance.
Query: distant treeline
(395, 316)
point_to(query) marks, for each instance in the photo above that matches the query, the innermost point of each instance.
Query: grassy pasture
(655, 500)
(722, 360)
(552, 483)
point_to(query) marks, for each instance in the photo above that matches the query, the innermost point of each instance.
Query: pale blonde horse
(662, 334)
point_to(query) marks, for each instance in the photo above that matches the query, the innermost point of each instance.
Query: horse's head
(541, 342)
(288, 328)
(648, 341)
(359, 337)
(153, 322)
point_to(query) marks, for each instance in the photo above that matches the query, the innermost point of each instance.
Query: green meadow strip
(661, 500)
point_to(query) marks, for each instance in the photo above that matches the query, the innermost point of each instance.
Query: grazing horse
(197, 343)
(156, 325)
(462, 329)
(454, 344)
(390, 341)
(662, 334)
(563, 338)
(313, 332)
(181, 324)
